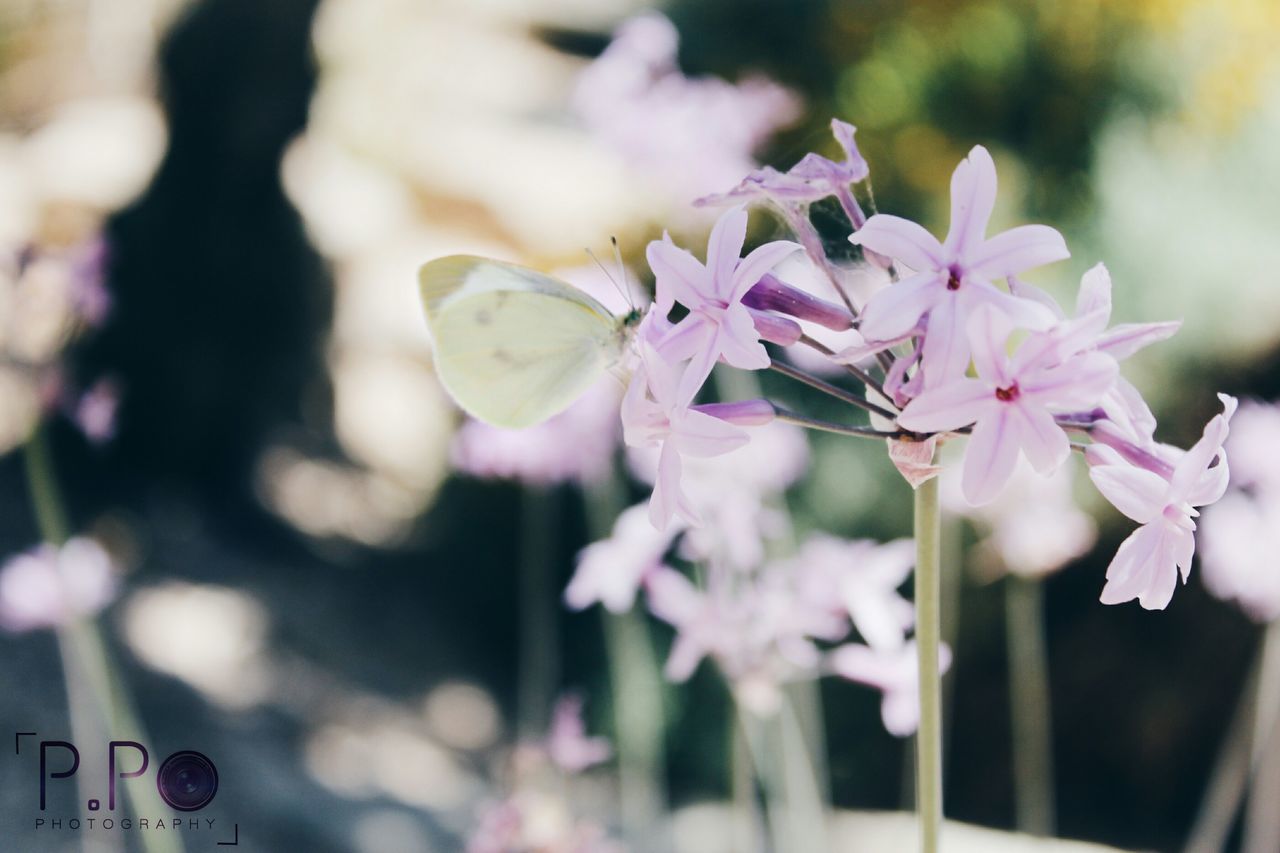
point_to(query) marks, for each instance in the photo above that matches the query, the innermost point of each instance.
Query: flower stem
(1029, 705)
(928, 593)
(852, 369)
(1261, 824)
(98, 701)
(839, 429)
(539, 653)
(1231, 771)
(637, 688)
(831, 390)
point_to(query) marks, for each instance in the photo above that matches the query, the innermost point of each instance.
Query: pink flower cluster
(957, 345)
(536, 815)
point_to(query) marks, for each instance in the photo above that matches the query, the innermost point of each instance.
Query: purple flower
(567, 743)
(1010, 403)
(953, 278)
(576, 445)
(690, 135)
(718, 324)
(48, 587)
(611, 571)
(893, 672)
(1033, 528)
(859, 579)
(655, 413)
(814, 177)
(1147, 565)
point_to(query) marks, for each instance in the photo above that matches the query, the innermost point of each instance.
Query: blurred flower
(1240, 534)
(576, 445)
(1034, 527)
(611, 570)
(813, 178)
(1147, 565)
(94, 411)
(48, 586)
(693, 135)
(895, 673)
(952, 279)
(859, 578)
(733, 494)
(760, 634)
(567, 743)
(537, 822)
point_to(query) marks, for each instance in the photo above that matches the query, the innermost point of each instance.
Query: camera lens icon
(187, 781)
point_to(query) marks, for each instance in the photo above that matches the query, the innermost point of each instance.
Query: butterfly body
(514, 346)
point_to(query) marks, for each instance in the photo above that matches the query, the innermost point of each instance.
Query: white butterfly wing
(513, 346)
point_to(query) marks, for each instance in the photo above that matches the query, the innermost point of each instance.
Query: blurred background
(211, 216)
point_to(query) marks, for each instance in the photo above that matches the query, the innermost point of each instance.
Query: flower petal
(1133, 570)
(1079, 383)
(724, 247)
(739, 342)
(1136, 492)
(1044, 443)
(989, 331)
(896, 309)
(1025, 313)
(1095, 291)
(699, 434)
(949, 406)
(678, 276)
(756, 264)
(973, 196)
(902, 240)
(1127, 338)
(1191, 467)
(990, 458)
(945, 353)
(1016, 250)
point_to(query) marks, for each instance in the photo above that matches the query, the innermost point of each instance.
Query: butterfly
(514, 346)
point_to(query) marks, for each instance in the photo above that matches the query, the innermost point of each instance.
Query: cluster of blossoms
(48, 296)
(942, 350)
(48, 587)
(709, 126)
(766, 617)
(535, 816)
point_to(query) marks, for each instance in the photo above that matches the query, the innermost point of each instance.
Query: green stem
(928, 592)
(1261, 823)
(637, 688)
(98, 700)
(538, 670)
(1029, 705)
(1231, 771)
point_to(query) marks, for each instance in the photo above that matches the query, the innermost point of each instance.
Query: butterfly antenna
(621, 290)
(622, 272)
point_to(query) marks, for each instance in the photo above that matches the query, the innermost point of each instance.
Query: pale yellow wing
(513, 347)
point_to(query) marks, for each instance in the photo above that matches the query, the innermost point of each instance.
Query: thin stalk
(1231, 771)
(838, 429)
(1029, 705)
(748, 824)
(831, 390)
(538, 671)
(98, 700)
(928, 593)
(797, 817)
(852, 369)
(637, 687)
(1261, 821)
